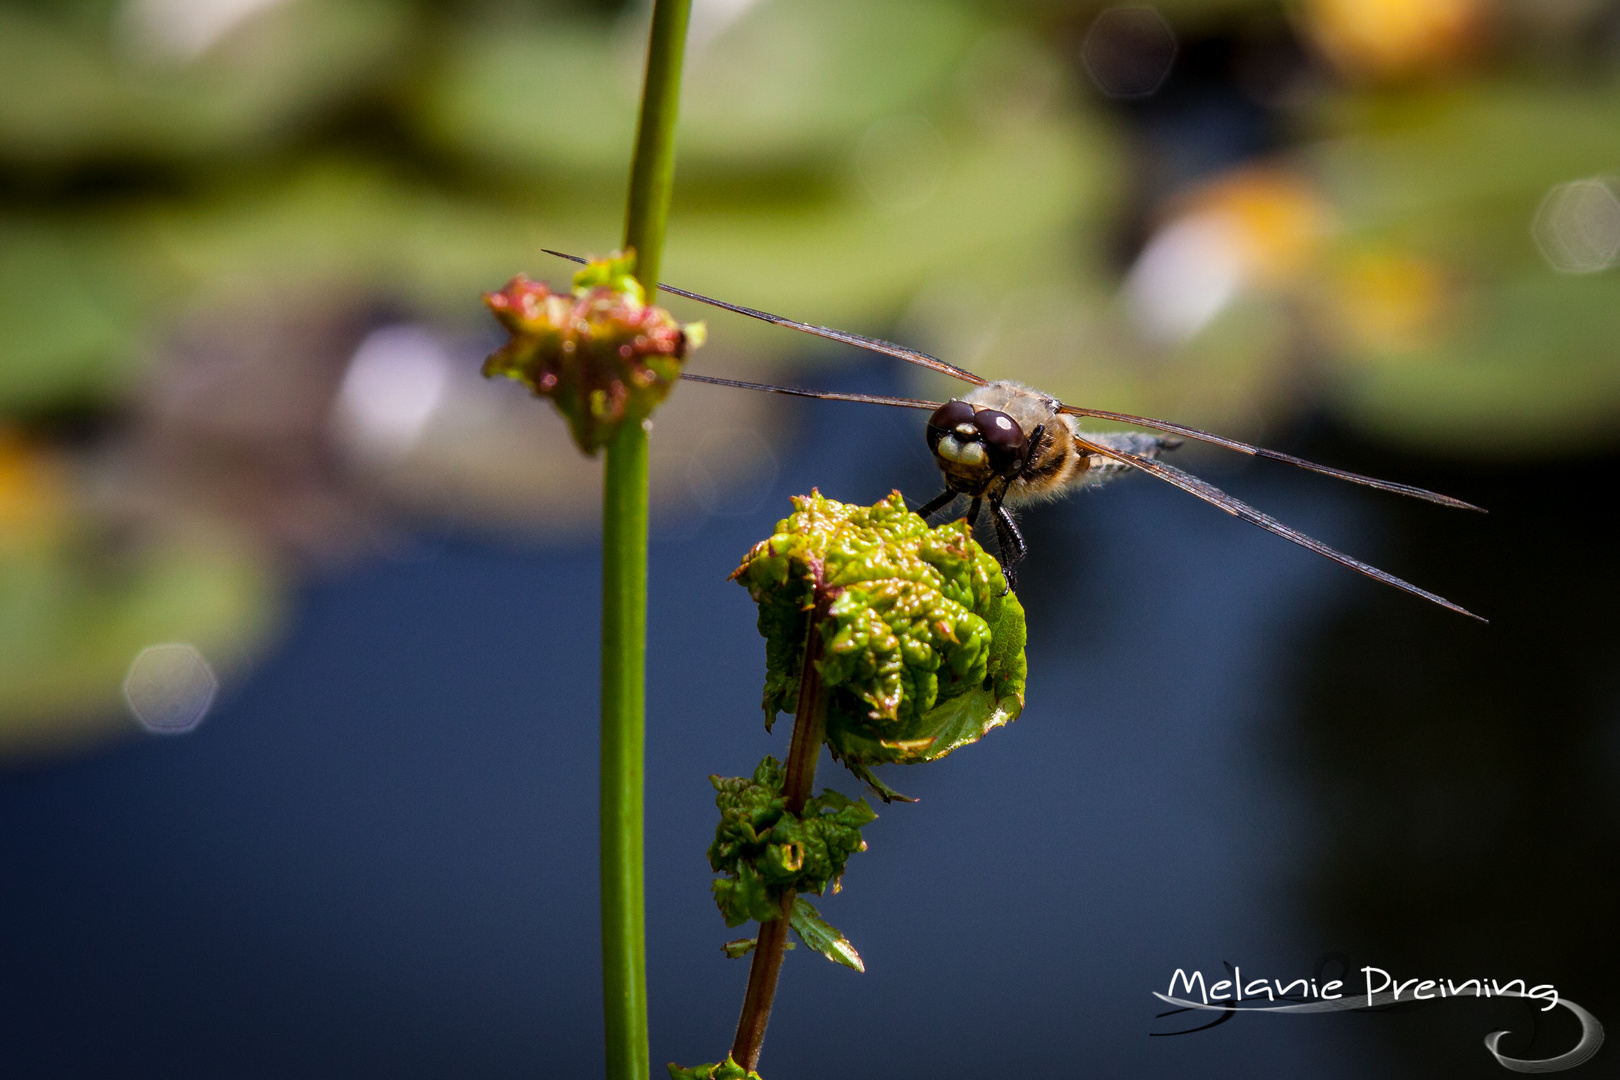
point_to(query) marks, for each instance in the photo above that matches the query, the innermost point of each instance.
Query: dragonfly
(1004, 444)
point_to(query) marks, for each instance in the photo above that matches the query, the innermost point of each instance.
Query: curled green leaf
(763, 850)
(602, 353)
(741, 947)
(744, 897)
(923, 645)
(724, 1070)
(822, 936)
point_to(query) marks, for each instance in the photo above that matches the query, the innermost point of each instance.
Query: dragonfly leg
(936, 504)
(1009, 540)
(973, 512)
(1012, 541)
(1033, 446)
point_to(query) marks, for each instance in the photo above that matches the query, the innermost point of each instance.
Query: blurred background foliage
(242, 241)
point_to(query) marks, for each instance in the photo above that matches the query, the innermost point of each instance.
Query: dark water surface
(377, 858)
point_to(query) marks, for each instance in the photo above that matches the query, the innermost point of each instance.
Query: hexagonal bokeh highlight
(170, 688)
(1128, 51)
(1577, 226)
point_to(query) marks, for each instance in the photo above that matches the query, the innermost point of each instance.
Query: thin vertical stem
(624, 648)
(652, 176)
(809, 727)
(624, 587)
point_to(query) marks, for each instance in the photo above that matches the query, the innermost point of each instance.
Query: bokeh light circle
(1577, 226)
(170, 688)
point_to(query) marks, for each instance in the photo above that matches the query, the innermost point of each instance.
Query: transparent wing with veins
(1269, 455)
(1168, 473)
(1242, 510)
(877, 345)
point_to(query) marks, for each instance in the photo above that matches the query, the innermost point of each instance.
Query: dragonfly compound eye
(947, 419)
(1002, 436)
(950, 414)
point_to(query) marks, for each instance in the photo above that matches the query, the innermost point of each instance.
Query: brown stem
(809, 724)
(762, 973)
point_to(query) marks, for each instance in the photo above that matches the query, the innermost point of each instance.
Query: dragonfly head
(975, 446)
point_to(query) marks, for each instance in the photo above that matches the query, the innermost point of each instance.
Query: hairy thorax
(1056, 462)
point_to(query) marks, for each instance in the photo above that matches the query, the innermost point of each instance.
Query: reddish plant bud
(602, 353)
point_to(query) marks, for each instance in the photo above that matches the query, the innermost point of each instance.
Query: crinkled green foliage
(724, 1070)
(764, 850)
(923, 645)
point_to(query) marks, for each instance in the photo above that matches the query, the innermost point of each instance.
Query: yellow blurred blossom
(30, 489)
(1250, 229)
(1277, 218)
(1392, 39)
(1390, 304)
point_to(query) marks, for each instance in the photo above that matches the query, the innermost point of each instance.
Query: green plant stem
(624, 588)
(624, 648)
(652, 176)
(809, 728)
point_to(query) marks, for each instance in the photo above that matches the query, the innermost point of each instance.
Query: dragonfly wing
(1101, 468)
(1242, 510)
(1269, 455)
(821, 395)
(877, 345)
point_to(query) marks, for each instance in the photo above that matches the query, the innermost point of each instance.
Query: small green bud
(724, 1070)
(923, 643)
(602, 354)
(741, 947)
